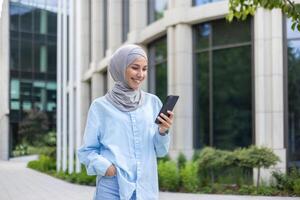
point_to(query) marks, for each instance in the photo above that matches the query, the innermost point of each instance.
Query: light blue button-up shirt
(130, 141)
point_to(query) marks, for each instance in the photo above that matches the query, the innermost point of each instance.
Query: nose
(140, 73)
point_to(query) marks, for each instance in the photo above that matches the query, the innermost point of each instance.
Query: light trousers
(108, 189)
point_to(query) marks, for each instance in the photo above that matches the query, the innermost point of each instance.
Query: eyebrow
(139, 65)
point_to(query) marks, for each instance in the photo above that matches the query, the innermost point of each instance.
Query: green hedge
(229, 176)
(168, 175)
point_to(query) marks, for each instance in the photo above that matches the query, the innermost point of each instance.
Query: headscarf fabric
(121, 95)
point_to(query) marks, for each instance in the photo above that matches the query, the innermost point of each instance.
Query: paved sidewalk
(20, 183)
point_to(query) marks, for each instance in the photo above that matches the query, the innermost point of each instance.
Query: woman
(121, 140)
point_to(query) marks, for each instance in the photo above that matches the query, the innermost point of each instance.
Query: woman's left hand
(166, 122)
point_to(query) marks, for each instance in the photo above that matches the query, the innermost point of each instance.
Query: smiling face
(136, 73)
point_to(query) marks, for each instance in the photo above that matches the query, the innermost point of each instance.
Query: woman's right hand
(111, 171)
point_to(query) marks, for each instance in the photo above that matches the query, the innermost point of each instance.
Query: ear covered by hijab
(121, 95)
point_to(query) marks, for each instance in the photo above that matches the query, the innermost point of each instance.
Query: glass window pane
(202, 2)
(26, 18)
(14, 54)
(15, 105)
(201, 93)
(161, 81)
(294, 99)
(202, 35)
(158, 68)
(291, 34)
(15, 89)
(156, 9)
(26, 55)
(51, 23)
(14, 12)
(232, 101)
(225, 33)
(51, 54)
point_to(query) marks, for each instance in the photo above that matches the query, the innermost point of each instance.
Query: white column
(71, 108)
(97, 30)
(171, 42)
(82, 63)
(58, 90)
(97, 85)
(64, 87)
(114, 24)
(180, 82)
(269, 108)
(114, 31)
(97, 46)
(137, 17)
(4, 81)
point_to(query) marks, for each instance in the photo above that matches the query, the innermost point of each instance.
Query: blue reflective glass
(291, 34)
(202, 2)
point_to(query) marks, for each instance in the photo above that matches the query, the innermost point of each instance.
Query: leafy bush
(168, 175)
(289, 182)
(45, 150)
(189, 177)
(20, 150)
(296, 186)
(181, 160)
(211, 161)
(44, 164)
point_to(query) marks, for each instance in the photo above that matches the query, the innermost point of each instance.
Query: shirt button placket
(137, 144)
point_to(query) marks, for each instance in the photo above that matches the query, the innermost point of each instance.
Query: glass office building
(32, 63)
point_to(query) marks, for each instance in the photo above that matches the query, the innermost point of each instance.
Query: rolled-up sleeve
(89, 152)
(161, 144)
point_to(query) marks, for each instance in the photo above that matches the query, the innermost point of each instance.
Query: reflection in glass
(158, 68)
(232, 97)
(202, 2)
(201, 94)
(223, 85)
(156, 9)
(293, 58)
(32, 61)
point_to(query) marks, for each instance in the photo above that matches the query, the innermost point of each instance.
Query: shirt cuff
(164, 138)
(101, 166)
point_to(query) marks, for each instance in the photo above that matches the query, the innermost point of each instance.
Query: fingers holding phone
(165, 121)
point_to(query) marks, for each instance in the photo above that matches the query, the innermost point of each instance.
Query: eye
(145, 69)
(134, 67)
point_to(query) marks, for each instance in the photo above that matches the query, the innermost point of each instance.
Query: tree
(257, 157)
(241, 9)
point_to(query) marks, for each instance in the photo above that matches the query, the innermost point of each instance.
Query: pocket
(109, 177)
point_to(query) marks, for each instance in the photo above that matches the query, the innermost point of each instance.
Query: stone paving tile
(20, 183)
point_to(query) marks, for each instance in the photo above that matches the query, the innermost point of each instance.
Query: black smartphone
(169, 104)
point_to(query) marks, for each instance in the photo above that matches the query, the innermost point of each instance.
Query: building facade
(238, 83)
(29, 66)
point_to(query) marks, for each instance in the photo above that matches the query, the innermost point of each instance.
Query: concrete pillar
(138, 18)
(114, 24)
(114, 32)
(269, 107)
(97, 31)
(97, 85)
(4, 81)
(59, 89)
(71, 99)
(82, 62)
(180, 82)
